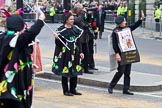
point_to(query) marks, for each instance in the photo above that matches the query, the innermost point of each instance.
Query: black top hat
(15, 23)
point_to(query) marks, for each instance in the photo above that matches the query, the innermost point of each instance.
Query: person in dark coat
(80, 20)
(16, 66)
(93, 33)
(100, 15)
(67, 62)
(118, 49)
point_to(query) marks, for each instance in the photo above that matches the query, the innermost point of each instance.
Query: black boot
(127, 92)
(68, 94)
(110, 90)
(88, 72)
(76, 93)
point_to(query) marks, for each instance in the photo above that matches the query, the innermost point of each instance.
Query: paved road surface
(48, 94)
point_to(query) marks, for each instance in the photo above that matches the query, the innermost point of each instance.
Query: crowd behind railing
(47, 6)
(58, 9)
(55, 8)
(111, 12)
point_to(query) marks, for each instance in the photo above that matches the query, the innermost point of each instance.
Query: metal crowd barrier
(152, 29)
(110, 18)
(58, 18)
(29, 17)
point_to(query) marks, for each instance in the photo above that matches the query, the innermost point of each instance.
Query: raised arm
(137, 23)
(30, 34)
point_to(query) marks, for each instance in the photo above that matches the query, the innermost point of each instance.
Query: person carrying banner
(125, 51)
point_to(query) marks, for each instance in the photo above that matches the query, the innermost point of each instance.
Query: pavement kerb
(103, 84)
(108, 28)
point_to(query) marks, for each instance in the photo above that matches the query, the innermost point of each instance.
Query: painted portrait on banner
(126, 42)
(129, 52)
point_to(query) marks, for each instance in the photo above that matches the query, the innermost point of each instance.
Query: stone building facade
(149, 8)
(149, 22)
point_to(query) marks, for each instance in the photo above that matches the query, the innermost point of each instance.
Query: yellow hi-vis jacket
(52, 11)
(119, 10)
(125, 9)
(157, 13)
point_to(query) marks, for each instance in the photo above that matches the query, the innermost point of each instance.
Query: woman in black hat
(67, 62)
(15, 62)
(123, 46)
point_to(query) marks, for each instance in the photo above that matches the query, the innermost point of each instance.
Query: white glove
(41, 15)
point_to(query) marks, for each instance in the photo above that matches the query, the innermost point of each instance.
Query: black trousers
(52, 19)
(73, 84)
(85, 50)
(157, 24)
(90, 55)
(100, 34)
(122, 69)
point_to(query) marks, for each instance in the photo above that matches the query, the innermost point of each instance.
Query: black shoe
(128, 93)
(93, 68)
(76, 93)
(68, 94)
(88, 72)
(110, 90)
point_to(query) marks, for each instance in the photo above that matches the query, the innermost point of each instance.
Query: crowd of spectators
(49, 8)
(112, 5)
(44, 6)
